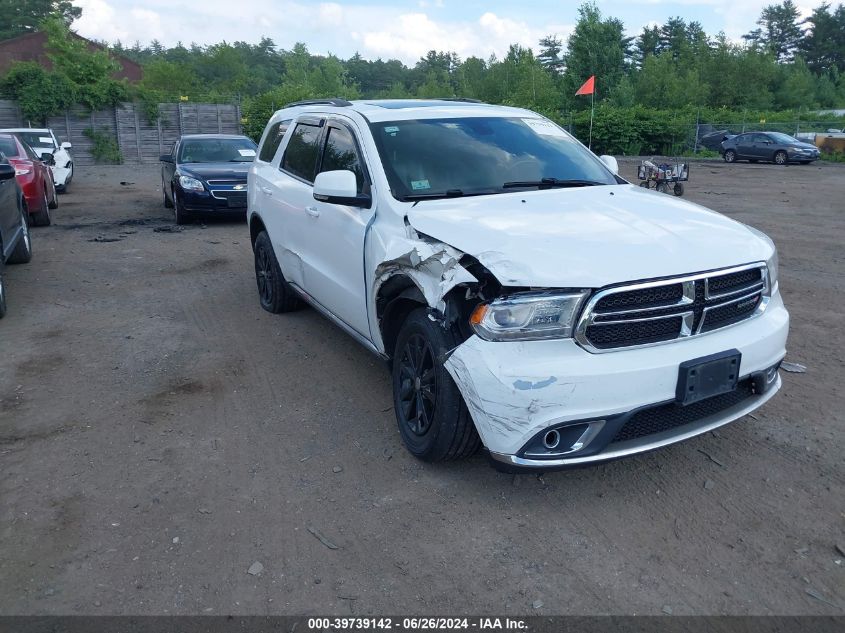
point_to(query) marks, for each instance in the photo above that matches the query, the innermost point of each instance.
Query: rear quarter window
(302, 151)
(272, 140)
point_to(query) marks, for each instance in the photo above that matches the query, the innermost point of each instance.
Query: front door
(333, 253)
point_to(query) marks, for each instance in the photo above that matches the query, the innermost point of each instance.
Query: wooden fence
(139, 140)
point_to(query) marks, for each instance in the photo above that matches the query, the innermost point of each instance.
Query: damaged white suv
(527, 298)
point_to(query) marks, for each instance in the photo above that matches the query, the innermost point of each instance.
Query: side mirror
(7, 171)
(339, 187)
(610, 163)
(48, 159)
(166, 158)
(66, 145)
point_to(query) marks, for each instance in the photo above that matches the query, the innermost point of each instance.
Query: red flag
(588, 88)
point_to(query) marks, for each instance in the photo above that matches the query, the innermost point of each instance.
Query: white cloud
(375, 31)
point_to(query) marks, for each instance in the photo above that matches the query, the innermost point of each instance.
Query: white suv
(526, 297)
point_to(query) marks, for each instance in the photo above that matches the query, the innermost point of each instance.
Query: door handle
(312, 211)
(267, 190)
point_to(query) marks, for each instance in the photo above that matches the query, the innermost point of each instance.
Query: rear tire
(662, 187)
(2, 295)
(54, 204)
(781, 158)
(730, 156)
(434, 422)
(678, 189)
(274, 293)
(23, 251)
(42, 218)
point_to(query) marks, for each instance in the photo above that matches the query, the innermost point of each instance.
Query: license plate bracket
(708, 376)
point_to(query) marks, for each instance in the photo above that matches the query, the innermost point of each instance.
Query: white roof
(25, 129)
(379, 110)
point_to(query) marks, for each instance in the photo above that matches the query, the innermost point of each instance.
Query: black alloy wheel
(418, 385)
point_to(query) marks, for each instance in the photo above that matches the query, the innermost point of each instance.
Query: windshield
(482, 155)
(217, 150)
(37, 140)
(783, 138)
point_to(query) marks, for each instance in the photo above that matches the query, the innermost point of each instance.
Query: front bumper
(516, 391)
(207, 202)
(61, 175)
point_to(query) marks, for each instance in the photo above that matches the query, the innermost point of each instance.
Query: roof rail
(331, 101)
(464, 99)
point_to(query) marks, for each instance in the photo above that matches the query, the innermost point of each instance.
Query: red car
(33, 176)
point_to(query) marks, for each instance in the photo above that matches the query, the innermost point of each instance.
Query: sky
(401, 29)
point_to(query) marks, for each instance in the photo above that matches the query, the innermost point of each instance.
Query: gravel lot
(160, 434)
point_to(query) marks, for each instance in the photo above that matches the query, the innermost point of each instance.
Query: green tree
(780, 30)
(24, 16)
(824, 45)
(599, 47)
(550, 56)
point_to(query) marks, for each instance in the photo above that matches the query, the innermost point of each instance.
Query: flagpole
(592, 110)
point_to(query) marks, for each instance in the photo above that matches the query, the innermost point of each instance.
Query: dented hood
(587, 237)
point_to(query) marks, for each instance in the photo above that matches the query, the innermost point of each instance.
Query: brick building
(32, 47)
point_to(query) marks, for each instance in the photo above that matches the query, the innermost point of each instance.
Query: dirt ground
(160, 434)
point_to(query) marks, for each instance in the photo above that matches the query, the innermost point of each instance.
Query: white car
(44, 141)
(526, 297)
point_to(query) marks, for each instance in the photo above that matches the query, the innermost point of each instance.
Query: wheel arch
(396, 298)
(256, 225)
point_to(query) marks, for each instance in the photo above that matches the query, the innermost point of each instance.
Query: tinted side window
(341, 153)
(272, 141)
(302, 151)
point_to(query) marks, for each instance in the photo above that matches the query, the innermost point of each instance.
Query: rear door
(289, 194)
(745, 146)
(333, 251)
(9, 214)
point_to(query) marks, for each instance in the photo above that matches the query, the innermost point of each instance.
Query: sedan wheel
(2, 296)
(179, 215)
(730, 156)
(23, 251)
(42, 218)
(781, 158)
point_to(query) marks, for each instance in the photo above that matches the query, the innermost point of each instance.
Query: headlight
(528, 316)
(772, 264)
(21, 171)
(190, 184)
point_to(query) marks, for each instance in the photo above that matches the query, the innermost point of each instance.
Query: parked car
(15, 241)
(43, 141)
(205, 174)
(34, 177)
(713, 140)
(526, 297)
(776, 147)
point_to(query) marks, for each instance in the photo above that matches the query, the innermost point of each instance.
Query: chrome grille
(663, 310)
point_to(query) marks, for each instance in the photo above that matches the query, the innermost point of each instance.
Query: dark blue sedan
(205, 174)
(776, 147)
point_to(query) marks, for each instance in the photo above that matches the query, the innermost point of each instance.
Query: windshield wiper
(449, 193)
(548, 183)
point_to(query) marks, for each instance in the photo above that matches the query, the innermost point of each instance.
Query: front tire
(662, 187)
(433, 419)
(274, 293)
(180, 217)
(678, 189)
(781, 158)
(168, 203)
(730, 156)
